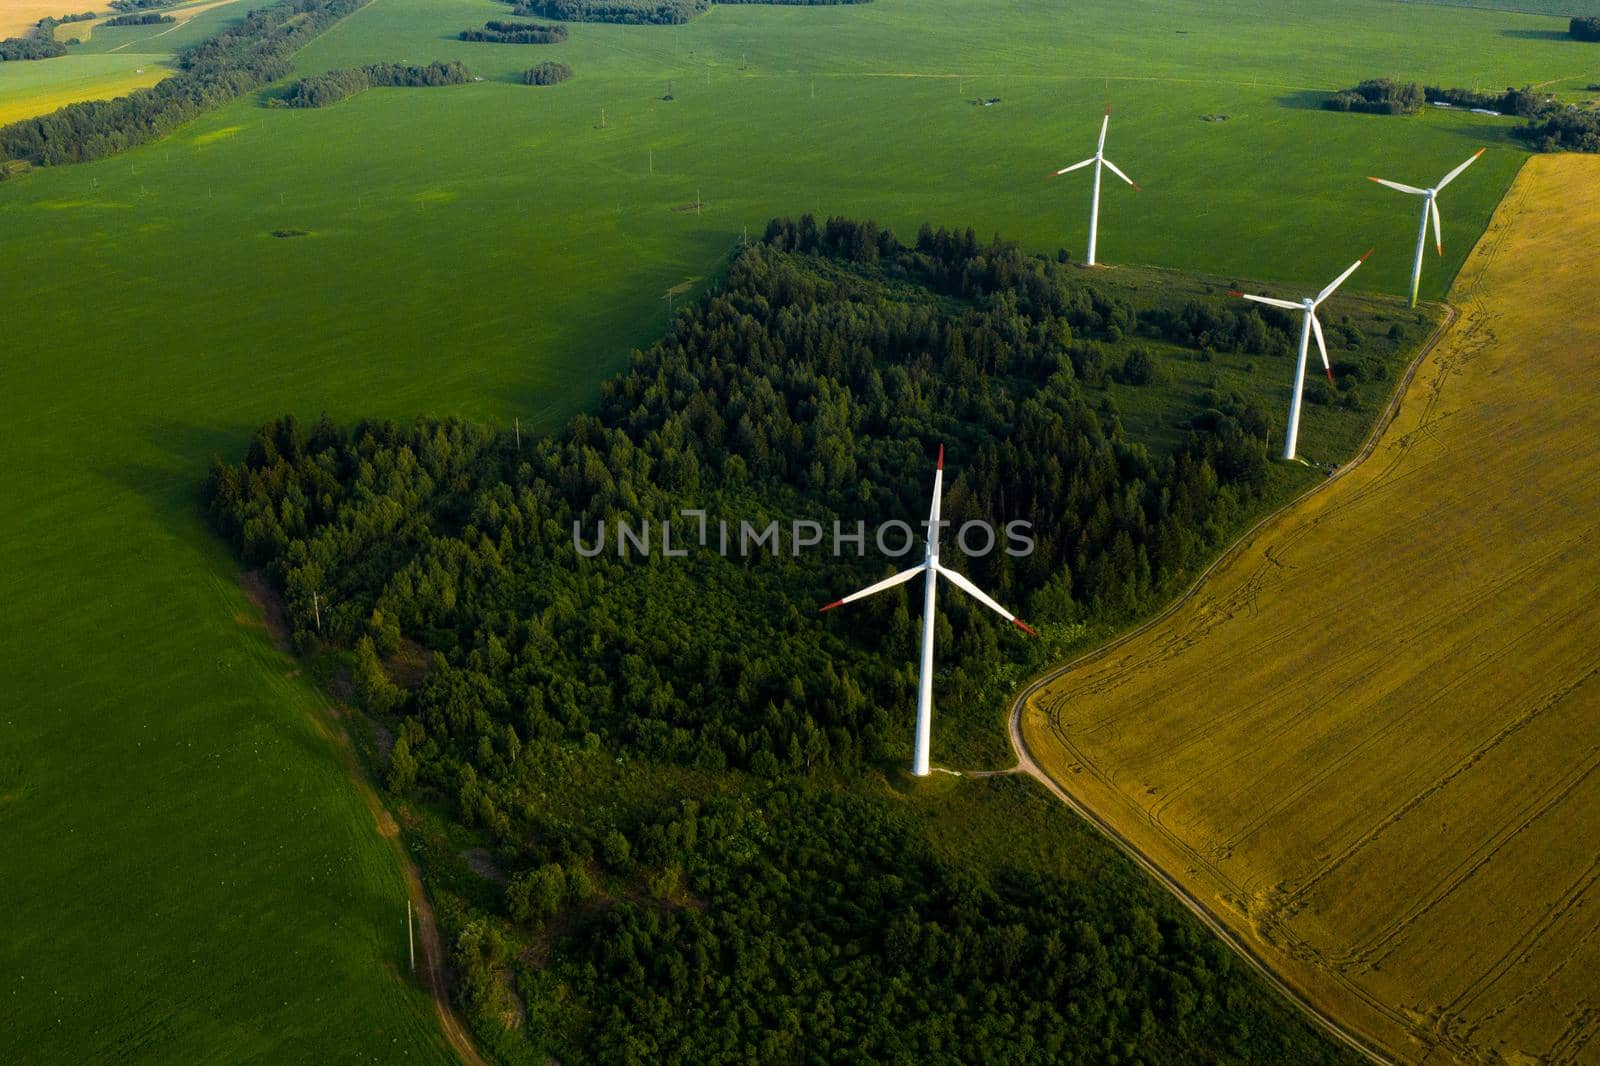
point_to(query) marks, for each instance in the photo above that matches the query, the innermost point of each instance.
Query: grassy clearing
(486, 250)
(1394, 686)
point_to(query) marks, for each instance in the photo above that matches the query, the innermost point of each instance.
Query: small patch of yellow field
(77, 78)
(18, 16)
(1369, 744)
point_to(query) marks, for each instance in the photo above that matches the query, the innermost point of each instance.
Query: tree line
(144, 18)
(329, 87)
(630, 12)
(501, 32)
(1585, 29)
(245, 56)
(815, 382)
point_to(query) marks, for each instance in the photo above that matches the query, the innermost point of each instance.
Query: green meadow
(185, 875)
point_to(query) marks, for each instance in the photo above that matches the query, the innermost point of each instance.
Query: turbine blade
(978, 594)
(1075, 166)
(1285, 304)
(1403, 188)
(1438, 231)
(1340, 280)
(1322, 345)
(1119, 173)
(1104, 126)
(871, 590)
(1456, 173)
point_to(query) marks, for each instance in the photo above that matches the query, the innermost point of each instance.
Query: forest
(242, 57)
(329, 87)
(501, 32)
(768, 905)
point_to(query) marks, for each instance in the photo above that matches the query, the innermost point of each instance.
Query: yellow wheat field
(73, 79)
(1369, 744)
(18, 16)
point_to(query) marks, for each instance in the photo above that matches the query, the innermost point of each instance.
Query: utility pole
(652, 160)
(316, 609)
(519, 434)
(602, 118)
(411, 940)
(697, 203)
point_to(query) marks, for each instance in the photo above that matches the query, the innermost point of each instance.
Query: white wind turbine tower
(1430, 209)
(1098, 160)
(933, 569)
(1308, 326)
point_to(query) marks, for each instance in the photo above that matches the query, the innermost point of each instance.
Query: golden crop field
(1369, 744)
(18, 16)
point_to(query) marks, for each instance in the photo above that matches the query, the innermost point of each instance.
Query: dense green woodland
(770, 903)
(1551, 127)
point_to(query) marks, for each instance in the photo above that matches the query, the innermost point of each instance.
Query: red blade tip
(1330, 374)
(1136, 186)
(1108, 109)
(1480, 152)
(1232, 292)
(1368, 255)
(831, 606)
(940, 465)
(1025, 627)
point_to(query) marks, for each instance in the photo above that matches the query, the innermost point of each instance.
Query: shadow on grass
(1538, 35)
(1305, 100)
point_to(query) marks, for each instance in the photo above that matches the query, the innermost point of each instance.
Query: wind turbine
(1308, 327)
(1099, 160)
(1430, 208)
(931, 567)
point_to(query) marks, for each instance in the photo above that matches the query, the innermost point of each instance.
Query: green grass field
(187, 877)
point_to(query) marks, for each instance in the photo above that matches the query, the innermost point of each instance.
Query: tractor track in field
(1027, 764)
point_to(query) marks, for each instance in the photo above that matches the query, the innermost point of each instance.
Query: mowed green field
(184, 873)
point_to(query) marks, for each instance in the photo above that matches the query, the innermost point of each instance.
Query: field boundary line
(1027, 764)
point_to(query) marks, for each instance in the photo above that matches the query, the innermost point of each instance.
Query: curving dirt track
(1367, 747)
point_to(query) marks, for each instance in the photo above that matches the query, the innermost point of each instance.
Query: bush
(1522, 102)
(1564, 131)
(1138, 369)
(1585, 29)
(546, 74)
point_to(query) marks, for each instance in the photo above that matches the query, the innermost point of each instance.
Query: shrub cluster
(546, 74)
(1585, 29)
(1379, 96)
